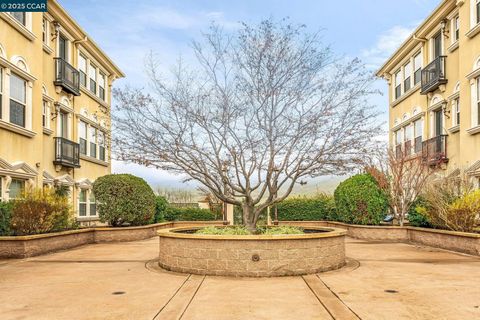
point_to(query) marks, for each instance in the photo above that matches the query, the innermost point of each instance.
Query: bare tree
(408, 175)
(260, 110)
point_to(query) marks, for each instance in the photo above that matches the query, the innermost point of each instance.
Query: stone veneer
(252, 256)
(34, 245)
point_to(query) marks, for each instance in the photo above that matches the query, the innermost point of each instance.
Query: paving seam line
(171, 298)
(191, 299)
(333, 292)
(319, 300)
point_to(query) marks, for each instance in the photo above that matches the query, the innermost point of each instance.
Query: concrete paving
(119, 281)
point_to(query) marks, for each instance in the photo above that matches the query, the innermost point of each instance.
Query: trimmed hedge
(359, 200)
(161, 205)
(5, 218)
(188, 214)
(124, 199)
(319, 207)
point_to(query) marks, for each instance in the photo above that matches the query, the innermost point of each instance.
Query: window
(93, 79)
(418, 128)
(16, 188)
(82, 68)
(407, 73)
(44, 30)
(417, 65)
(398, 142)
(18, 88)
(82, 203)
(20, 17)
(408, 139)
(101, 86)
(82, 137)
(456, 110)
(398, 84)
(437, 45)
(63, 48)
(93, 142)
(92, 204)
(477, 10)
(1, 92)
(456, 28)
(44, 113)
(101, 145)
(478, 101)
(63, 118)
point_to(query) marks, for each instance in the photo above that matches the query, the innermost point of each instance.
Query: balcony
(67, 77)
(434, 150)
(433, 75)
(67, 153)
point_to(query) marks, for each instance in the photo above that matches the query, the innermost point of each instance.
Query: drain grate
(118, 292)
(391, 291)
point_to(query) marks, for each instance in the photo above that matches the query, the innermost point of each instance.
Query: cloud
(386, 44)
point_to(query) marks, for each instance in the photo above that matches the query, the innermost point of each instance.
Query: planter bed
(181, 250)
(34, 245)
(463, 242)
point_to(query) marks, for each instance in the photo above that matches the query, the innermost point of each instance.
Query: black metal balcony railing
(433, 75)
(67, 153)
(434, 150)
(67, 77)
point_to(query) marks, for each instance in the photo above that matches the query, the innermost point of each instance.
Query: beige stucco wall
(463, 148)
(35, 146)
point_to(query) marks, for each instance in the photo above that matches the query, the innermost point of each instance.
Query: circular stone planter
(322, 249)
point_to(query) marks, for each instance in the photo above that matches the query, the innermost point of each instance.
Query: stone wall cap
(332, 232)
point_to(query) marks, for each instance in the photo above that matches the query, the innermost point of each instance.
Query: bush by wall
(124, 199)
(5, 217)
(40, 211)
(415, 215)
(359, 200)
(318, 207)
(188, 214)
(161, 205)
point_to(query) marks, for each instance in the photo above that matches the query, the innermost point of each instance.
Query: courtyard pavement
(120, 281)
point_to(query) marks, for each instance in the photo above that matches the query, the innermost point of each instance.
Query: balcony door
(63, 48)
(63, 118)
(438, 130)
(437, 46)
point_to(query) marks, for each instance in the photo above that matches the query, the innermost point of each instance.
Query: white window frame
(45, 114)
(80, 134)
(84, 71)
(416, 68)
(407, 77)
(23, 103)
(2, 94)
(398, 83)
(88, 204)
(23, 182)
(417, 134)
(90, 79)
(455, 28)
(93, 143)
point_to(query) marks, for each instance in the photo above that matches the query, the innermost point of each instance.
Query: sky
(129, 30)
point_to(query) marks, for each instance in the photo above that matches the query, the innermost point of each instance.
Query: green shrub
(188, 214)
(282, 230)
(359, 200)
(40, 211)
(211, 230)
(124, 199)
(319, 207)
(5, 217)
(416, 215)
(161, 205)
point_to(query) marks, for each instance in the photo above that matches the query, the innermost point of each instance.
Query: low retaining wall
(34, 245)
(252, 255)
(450, 240)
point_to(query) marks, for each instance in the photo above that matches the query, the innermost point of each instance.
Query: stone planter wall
(450, 240)
(34, 245)
(251, 256)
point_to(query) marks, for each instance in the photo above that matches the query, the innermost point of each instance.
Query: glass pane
(82, 196)
(16, 188)
(63, 50)
(418, 128)
(82, 63)
(93, 73)
(407, 70)
(19, 16)
(17, 88)
(82, 130)
(82, 209)
(17, 113)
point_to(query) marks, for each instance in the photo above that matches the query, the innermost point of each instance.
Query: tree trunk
(249, 217)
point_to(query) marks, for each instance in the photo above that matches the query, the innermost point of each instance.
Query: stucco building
(434, 89)
(55, 95)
